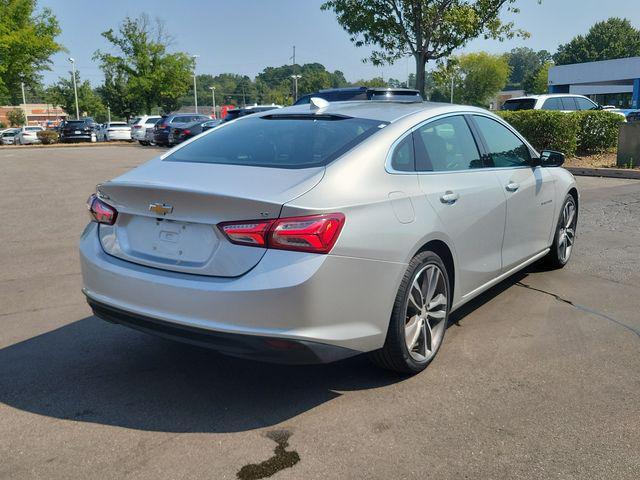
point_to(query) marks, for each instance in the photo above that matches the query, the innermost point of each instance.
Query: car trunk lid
(168, 212)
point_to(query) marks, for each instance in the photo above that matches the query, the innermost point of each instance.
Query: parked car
(307, 235)
(249, 110)
(563, 102)
(163, 127)
(185, 132)
(78, 131)
(8, 136)
(115, 131)
(139, 127)
(27, 135)
(149, 135)
(363, 93)
(633, 116)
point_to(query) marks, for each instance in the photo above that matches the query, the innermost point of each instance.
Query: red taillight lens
(137, 126)
(101, 212)
(186, 132)
(253, 233)
(314, 233)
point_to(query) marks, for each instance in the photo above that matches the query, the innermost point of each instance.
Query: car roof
(384, 111)
(545, 96)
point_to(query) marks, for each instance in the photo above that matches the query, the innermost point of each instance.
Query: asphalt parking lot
(538, 378)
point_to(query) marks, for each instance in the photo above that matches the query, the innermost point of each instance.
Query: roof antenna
(317, 103)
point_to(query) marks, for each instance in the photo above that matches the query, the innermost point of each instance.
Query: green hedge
(575, 132)
(47, 137)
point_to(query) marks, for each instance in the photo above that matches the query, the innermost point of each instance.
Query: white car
(8, 136)
(115, 131)
(321, 231)
(140, 125)
(28, 135)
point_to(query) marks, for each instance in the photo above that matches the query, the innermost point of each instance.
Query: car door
(530, 192)
(466, 197)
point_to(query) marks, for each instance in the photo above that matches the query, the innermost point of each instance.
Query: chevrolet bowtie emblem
(160, 208)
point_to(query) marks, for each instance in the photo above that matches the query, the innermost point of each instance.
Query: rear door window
(446, 145)
(569, 103)
(279, 141)
(519, 104)
(552, 104)
(585, 104)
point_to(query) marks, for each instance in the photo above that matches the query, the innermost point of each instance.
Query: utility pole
(295, 86)
(108, 114)
(195, 86)
(75, 87)
(451, 88)
(24, 103)
(213, 99)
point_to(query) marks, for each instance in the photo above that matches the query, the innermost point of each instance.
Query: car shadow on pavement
(93, 371)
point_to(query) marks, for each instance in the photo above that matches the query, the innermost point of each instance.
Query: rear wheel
(419, 318)
(565, 235)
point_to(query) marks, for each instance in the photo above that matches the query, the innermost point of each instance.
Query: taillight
(101, 212)
(186, 132)
(314, 233)
(136, 127)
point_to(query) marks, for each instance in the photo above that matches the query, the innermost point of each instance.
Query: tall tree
(477, 77)
(89, 103)
(425, 29)
(613, 38)
(538, 82)
(525, 62)
(27, 42)
(144, 69)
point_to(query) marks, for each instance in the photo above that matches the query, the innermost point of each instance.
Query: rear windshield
(118, 124)
(521, 104)
(279, 141)
(75, 123)
(152, 120)
(33, 129)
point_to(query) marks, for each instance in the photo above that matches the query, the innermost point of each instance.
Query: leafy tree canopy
(525, 62)
(27, 42)
(425, 29)
(537, 82)
(89, 103)
(477, 77)
(613, 38)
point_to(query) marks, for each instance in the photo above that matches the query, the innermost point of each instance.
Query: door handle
(449, 198)
(512, 187)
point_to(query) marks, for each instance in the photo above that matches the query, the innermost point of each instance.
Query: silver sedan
(321, 231)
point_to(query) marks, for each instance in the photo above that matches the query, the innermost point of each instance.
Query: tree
(89, 103)
(27, 42)
(425, 29)
(477, 77)
(143, 71)
(613, 38)
(525, 62)
(16, 117)
(538, 82)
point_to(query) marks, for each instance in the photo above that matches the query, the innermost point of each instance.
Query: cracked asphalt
(538, 378)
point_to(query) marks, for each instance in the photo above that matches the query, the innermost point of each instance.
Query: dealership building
(610, 82)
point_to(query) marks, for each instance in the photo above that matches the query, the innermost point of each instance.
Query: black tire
(555, 259)
(394, 355)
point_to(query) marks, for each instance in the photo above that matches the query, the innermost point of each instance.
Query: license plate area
(77, 132)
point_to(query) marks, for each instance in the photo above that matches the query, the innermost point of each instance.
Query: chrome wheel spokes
(567, 231)
(426, 312)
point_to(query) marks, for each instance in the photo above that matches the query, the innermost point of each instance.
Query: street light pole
(295, 86)
(75, 87)
(195, 86)
(24, 102)
(213, 99)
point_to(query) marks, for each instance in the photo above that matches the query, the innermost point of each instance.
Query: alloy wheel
(426, 313)
(566, 231)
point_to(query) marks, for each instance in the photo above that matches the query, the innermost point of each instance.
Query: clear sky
(244, 36)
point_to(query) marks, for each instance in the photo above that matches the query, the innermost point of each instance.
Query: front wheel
(419, 317)
(565, 235)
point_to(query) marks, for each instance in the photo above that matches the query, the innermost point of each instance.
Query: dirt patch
(600, 160)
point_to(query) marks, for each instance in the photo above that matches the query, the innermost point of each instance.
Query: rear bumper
(75, 138)
(336, 301)
(118, 135)
(276, 350)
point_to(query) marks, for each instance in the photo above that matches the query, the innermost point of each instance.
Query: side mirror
(549, 158)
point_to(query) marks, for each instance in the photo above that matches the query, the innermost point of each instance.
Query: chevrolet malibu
(322, 231)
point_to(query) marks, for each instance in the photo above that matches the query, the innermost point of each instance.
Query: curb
(69, 145)
(606, 172)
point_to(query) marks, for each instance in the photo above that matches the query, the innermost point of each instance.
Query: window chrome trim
(389, 168)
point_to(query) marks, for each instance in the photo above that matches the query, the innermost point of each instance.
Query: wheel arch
(443, 250)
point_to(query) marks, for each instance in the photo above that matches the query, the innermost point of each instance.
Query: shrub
(592, 131)
(47, 137)
(598, 130)
(545, 129)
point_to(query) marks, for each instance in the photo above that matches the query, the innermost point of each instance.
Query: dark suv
(162, 129)
(77, 130)
(364, 93)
